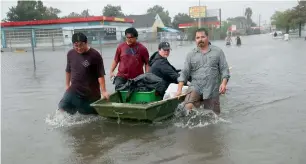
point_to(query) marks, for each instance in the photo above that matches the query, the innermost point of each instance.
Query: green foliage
(248, 14)
(164, 14)
(84, 13)
(191, 32)
(31, 10)
(181, 18)
(283, 20)
(291, 18)
(112, 11)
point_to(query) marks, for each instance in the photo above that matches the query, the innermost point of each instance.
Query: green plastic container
(140, 97)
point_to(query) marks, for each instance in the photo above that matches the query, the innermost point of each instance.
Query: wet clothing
(196, 99)
(161, 67)
(206, 71)
(131, 59)
(238, 41)
(85, 69)
(72, 103)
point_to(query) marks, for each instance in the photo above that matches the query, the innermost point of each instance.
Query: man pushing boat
(84, 78)
(131, 56)
(209, 73)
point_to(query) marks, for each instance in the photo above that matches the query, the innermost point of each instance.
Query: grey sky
(229, 8)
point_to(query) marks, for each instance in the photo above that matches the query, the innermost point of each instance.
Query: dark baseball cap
(164, 46)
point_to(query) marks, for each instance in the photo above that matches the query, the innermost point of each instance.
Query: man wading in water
(84, 78)
(131, 56)
(207, 66)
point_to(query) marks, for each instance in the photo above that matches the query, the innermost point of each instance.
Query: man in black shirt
(84, 77)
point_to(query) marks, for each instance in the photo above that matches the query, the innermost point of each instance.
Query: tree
(240, 21)
(31, 10)
(284, 20)
(51, 13)
(299, 15)
(181, 18)
(112, 11)
(248, 14)
(73, 15)
(85, 13)
(164, 15)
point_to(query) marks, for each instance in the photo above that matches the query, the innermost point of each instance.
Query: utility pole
(199, 19)
(259, 23)
(220, 17)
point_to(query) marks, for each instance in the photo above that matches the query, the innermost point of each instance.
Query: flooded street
(262, 121)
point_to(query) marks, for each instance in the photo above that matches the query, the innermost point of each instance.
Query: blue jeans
(72, 103)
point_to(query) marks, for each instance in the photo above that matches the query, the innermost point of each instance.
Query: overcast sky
(229, 8)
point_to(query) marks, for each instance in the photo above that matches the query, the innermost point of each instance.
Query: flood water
(263, 118)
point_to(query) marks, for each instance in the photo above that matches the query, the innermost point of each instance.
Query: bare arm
(68, 72)
(102, 83)
(224, 69)
(184, 75)
(101, 74)
(113, 67)
(180, 87)
(68, 77)
(147, 67)
(145, 57)
(115, 61)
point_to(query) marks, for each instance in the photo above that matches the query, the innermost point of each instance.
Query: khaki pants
(194, 99)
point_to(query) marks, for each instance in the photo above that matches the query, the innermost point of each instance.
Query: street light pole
(199, 18)
(259, 23)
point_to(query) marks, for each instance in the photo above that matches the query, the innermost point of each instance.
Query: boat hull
(154, 111)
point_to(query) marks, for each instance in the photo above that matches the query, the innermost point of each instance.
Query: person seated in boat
(85, 80)
(131, 56)
(160, 66)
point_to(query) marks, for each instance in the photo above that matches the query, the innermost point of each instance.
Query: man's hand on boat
(104, 94)
(111, 74)
(178, 94)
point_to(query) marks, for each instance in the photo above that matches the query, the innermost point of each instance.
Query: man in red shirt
(131, 56)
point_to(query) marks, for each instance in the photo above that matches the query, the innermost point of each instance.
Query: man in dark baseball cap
(160, 66)
(164, 46)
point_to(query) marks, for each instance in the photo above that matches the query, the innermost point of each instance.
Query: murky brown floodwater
(263, 117)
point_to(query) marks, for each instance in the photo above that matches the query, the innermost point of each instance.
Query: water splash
(63, 119)
(196, 118)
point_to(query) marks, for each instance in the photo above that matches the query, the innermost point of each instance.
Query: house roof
(66, 20)
(140, 21)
